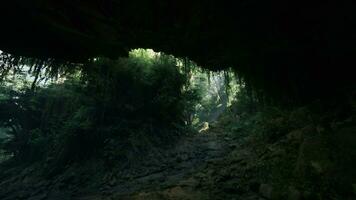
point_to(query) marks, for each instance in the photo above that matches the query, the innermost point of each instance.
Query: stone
(313, 154)
(266, 191)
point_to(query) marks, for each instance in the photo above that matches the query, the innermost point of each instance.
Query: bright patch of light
(180, 63)
(144, 53)
(205, 127)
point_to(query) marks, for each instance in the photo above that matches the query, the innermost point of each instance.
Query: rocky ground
(213, 165)
(186, 171)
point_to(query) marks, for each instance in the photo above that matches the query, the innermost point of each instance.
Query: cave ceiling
(253, 36)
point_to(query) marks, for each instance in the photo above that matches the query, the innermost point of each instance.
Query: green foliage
(34, 118)
(210, 94)
(110, 108)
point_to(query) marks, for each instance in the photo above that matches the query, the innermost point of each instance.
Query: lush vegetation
(108, 108)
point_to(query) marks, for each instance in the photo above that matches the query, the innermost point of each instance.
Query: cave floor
(208, 165)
